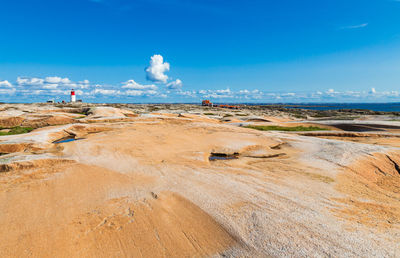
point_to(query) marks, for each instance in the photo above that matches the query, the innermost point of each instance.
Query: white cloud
(61, 92)
(228, 91)
(56, 79)
(156, 71)
(50, 86)
(59, 87)
(389, 93)
(217, 94)
(105, 91)
(134, 92)
(5, 89)
(29, 81)
(289, 94)
(85, 82)
(37, 92)
(151, 92)
(247, 94)
(187, 93)
(131, 84)
(138, 93)
(175, 84)
(50, 82)
(352, 27)
(5, 84)
(78, 92)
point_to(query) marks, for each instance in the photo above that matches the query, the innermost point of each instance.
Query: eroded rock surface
(143, 185)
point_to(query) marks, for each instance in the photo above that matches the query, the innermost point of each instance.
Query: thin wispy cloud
(353, 27)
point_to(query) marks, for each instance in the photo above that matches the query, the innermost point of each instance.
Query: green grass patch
(17, 130)
(286, 129)
(79, 117)
(209, 114)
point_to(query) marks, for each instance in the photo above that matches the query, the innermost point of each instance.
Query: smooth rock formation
(145, 186)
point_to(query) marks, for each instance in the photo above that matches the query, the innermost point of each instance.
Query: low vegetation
(153, 109)
(16, 130)
(79, 117)
(286, 129)
(209, 114)
(350, 118)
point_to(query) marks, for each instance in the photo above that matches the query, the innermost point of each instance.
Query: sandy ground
(143, 185)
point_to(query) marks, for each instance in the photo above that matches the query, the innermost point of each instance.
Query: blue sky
(228, 51)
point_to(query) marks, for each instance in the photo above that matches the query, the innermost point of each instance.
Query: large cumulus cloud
(156, 71)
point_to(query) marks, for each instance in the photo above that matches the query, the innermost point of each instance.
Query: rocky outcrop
(11, 122)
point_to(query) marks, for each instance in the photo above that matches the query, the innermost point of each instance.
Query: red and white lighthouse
(73, 96)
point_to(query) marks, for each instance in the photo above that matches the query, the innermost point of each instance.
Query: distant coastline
(377, 107)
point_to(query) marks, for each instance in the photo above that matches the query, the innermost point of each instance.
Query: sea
(385, 107)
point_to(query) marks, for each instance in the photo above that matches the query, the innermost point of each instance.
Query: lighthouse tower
(73, 96)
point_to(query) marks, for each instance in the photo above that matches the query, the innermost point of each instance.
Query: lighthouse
(73, 97)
